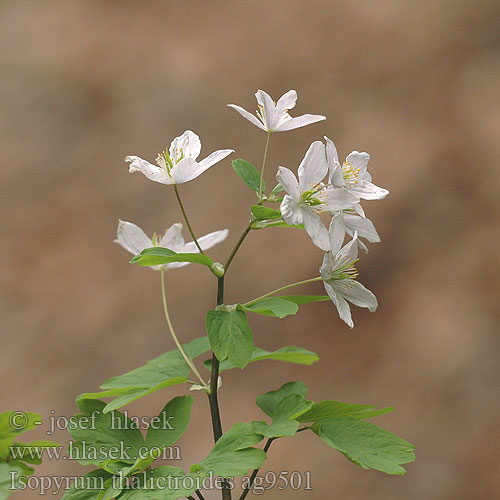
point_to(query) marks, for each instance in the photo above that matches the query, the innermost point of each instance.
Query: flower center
(315, 196)
(345, 271)
(351, 174)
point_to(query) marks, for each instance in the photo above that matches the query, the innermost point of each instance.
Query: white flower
(135, 240)
(274, 117)
(352, 223)
(308, 196)
(353, 174)
(339, 277)
(178, 164)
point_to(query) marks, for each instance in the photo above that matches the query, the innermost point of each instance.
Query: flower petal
(286, 102)
(172, 239)
(184, 171)
(151, 171)
(313, 167)
(332, 157)
(349, 253)
(270, 115)
(340, 303)
(249, 116)
(290, 211)
(132, 237)
(358, 160)
(339, 199)
(363, 226)
(336, 232)
(359, 295)
(315, 228)
(187, 145)
(369, 191)
(206, 242)
(299, 121)
(214, 158)
(289, 182)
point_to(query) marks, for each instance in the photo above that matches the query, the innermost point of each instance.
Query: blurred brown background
(416, 84)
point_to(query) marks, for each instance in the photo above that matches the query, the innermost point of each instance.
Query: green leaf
(158, 255)
(366, 445)
(284, 417)
(170, 424)
(111, 490)
(264, 213)
(230, 336)
(31, 453)
(163, 483)
(103, 436)
(248, 174)
(166, 370)
(274, 306)
(11, 478)
(289, 354)
(88, 487)
(269, 401)
(13, 423)
(336, 409)
(233, 454)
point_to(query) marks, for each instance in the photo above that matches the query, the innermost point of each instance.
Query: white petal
(184, 171)
(270, 114)
(187, 145)
(214, 158)
(249, 116)
(359, 295)
(349, 253)
(340, 303)
(359, 209)
(369, 191)
(327, 266)
(290, 211)
(289, 182)
(207, 241)
(152, 172)
(315, 229)
(358, 160)
(331, 151)
(132, 237)
(313, 167)
(172, 239)
(187, 169)
(299, 121)
(336, 232)
(363, 226)
(286, 102)
(339, 199)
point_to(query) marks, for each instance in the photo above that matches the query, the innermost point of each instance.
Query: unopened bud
(218, 269)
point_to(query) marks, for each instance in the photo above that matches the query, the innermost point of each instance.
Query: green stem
(174, 336)
(183, 210)
(237, 246)
(263, 168)
(311, 280)
(255, 472)
(212, 394)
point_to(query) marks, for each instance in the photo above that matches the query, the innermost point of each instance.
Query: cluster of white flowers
(324, 186)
